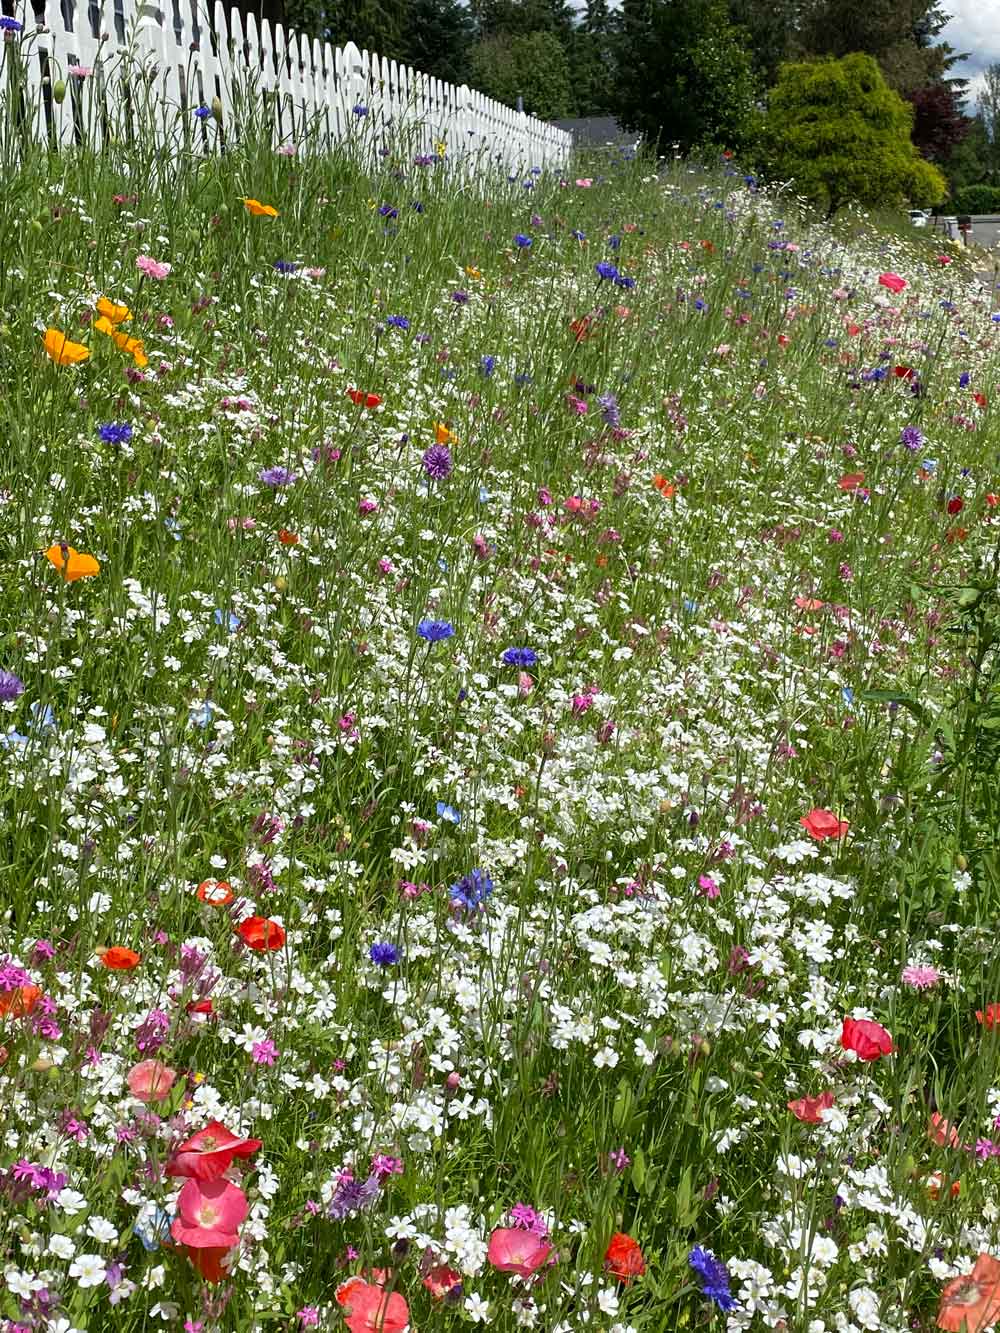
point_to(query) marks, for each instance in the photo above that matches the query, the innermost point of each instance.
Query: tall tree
(902, 35)
(591, 51)
(439, 39)
(989, 111)
(771, 32)
(533, 66)
(685, 74)
(838, 130)
(939, 124)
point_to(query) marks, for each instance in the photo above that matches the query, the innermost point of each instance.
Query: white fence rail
(172, 56)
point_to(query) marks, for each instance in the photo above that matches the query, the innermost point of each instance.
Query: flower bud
(58, 91)
(217, 110)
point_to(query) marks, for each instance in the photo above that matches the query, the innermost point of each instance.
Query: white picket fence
(172, 56)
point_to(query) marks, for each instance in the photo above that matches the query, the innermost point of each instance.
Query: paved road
(985, 230)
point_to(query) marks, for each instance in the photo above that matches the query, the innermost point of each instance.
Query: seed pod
(217, 110)
(58, 91)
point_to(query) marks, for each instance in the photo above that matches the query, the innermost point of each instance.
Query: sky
(974, 27)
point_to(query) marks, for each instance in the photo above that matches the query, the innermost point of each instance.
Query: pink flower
(513, 1250)
(708, 886)
(79, 71)
(152, 268)
(921, 978)
(264, 1052)
(585, 183)
(151, 1080)
(208, 1154)
(524, 684)
(893, 281)
(209, 1213)
(369, 1309)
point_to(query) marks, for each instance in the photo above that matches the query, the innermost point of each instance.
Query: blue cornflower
(460, 298)
(446, 811)
(714, 1277)
(9, 24)
(995, 318)
(929, 464)
(623, 281)
(201, 714)
(398, 322)
(605, 269)
(578, 236)
(115, 432)
(614, 242)
(43, 718)
(387, 211)
(487, 366)
(435, 630)
(964, 380)
(911, 437)
(202, 112)
(359, 109)
(417, 206)
(520, 657)
(383, 954)
(471, 891)
(230, 619)
(276, 476)
(521, 241)
(523, 378)
(700, 304)
(285, 266)
(11, 686)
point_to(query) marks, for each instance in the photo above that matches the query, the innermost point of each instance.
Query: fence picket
(168, 57)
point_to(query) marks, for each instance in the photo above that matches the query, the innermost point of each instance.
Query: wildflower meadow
(499, 725)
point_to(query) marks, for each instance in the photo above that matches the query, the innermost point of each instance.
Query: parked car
(920, 216)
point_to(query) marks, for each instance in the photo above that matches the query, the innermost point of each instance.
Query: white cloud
(974, 28)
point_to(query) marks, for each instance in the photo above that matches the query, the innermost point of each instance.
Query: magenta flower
(921, 978)
(264, 1052)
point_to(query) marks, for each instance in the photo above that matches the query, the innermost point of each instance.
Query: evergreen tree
(591, 51)
(439, 39)
(532, 66)
(939, 124)
(838, 130)
(684, 73)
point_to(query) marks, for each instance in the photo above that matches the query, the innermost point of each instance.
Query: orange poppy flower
(442, 435)
(215, 892)
(19, 1002)
(809, 604)
(260, 933)
(623, 1258)
(942, 1132)
(850, 481)
(288, 538)
(969, 1304)
(71, 564)
(361, 399)
(62, 351)
(109, 310)
(934, 1182)
(119, 959)
(989, 1017)
(258, 209)
(582, 327)
(666, 488)
(133, 346)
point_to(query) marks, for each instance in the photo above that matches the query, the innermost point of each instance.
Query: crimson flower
(868, 1040)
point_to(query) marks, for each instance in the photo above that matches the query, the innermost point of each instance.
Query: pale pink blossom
(152, 268)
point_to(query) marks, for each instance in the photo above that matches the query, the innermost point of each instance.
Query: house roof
(595, 131)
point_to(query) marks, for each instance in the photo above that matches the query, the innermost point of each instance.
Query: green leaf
(894, 697)
(621, 1112)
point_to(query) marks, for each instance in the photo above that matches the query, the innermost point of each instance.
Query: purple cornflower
(460, 298)
(609, 409)
(911, 437)
(11, 686)
(437, 462)
(387, 211)
(521, 241)
(520, 657)
(714, 1277)
(285, 266)
(487, 366)
(9, 24)
(383, 954)
(115, 432)
(435, 630)
(921, 978)
(351, 1196)
(359, 109)
(276, 476)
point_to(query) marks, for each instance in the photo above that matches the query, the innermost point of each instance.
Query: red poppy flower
(903, 372)
(970, 1304)
(207, 1260)
(208, 1154)
(989, 1017)
(980, 399)
(823, 824)
(200, 1007)
(868, 1040)
(361, 399)
(942, 1132)
(955, 505)
(582, 327)
(215, 892)
(120, 959)
(623, 1258)
(261, 933)
(854, 329)
(807, 1109)
(288, 538)
(992, 501)
(440, 1280)
(19, 1002)
(665, 487)
(850, 481)
(893, 281)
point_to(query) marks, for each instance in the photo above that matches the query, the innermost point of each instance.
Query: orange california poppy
(665, 487)
(215, 892)
(969, 1304)
(361, 399)
(442, 435)
(258, 209)
(133, 346)
(62, 351)
(120, 959)
(260, 933)
(19, 1002)
(288, 538)
(117, 314)
(71, 564)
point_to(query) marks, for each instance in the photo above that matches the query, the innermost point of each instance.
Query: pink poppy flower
(823, 824)
(151, 1080)
(808, 1109)
(152, 268)
(585, 183)
(369, 1309)
(513, 1250)
(893, 281)
(208, 1154)
(209, 1213)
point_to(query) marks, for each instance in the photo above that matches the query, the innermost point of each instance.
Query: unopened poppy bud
(58, 91)
(217, 110)
(961, 863)
(281, 583)
(453, 1081)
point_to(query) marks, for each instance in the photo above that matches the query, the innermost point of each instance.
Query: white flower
(607, 1300)
(606, 1058)
(20, 1284)
(477, 1309)
(71, 1202)
(62, 1247)
(166, 1310)
(88, 1269)
(102, 1230)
